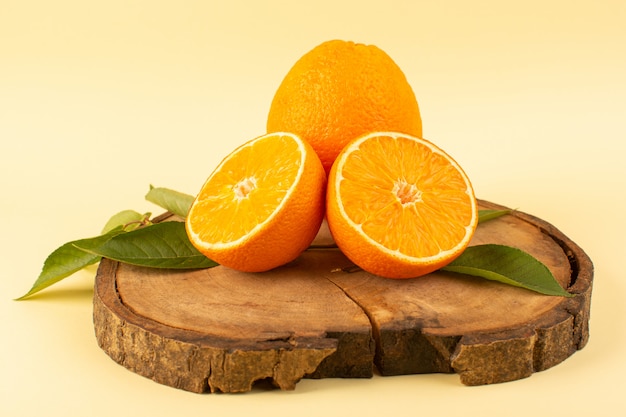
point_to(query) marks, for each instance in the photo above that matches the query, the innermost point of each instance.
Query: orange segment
(262, 205)
(398, 206)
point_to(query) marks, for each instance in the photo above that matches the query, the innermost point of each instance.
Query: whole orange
(342, 90)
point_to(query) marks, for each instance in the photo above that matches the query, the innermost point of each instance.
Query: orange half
(262, 205)
(398, 206)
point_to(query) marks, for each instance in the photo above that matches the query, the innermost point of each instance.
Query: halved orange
(398, 206)
(262, 205)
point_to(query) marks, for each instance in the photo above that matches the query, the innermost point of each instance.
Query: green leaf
(173, 201)
(507, 265)
(485, 215)
(161, 245)
(66, 260)
(129, 219)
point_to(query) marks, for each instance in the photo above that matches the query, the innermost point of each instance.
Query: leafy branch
(131, 237)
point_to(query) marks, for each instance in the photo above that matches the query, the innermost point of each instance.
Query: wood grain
(222, 330)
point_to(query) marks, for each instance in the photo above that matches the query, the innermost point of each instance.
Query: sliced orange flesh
(406, 196)
(246, 190)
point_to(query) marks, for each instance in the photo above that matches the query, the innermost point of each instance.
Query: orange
(342, 90)
(398, 206)
(262, 205)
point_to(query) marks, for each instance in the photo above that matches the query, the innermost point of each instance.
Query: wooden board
(222, 330)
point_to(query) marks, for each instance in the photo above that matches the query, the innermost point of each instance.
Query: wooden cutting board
(221, 330)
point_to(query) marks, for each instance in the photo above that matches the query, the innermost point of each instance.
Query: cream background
(100, 99)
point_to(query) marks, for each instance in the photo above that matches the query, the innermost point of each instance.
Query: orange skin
(339, 91)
